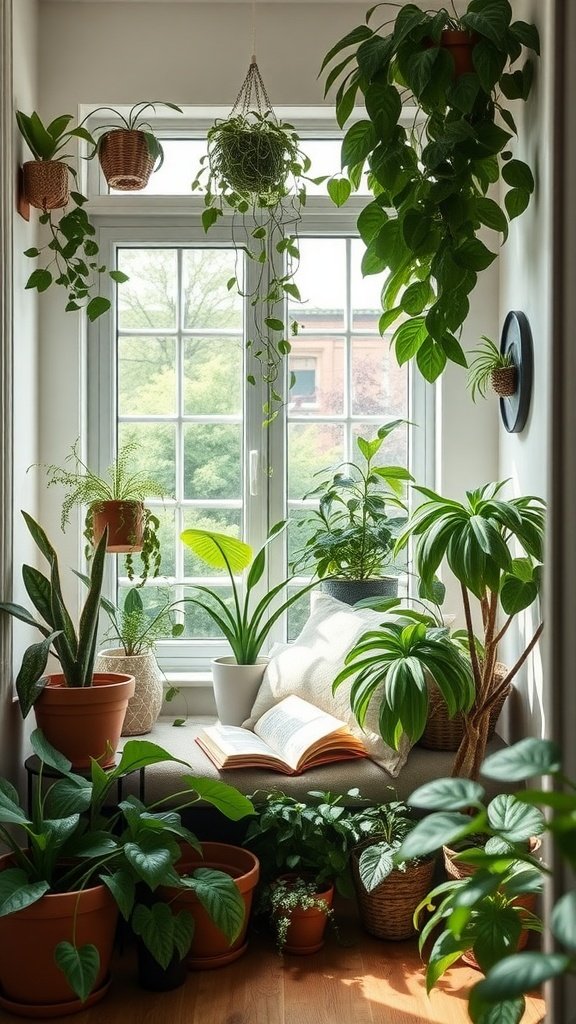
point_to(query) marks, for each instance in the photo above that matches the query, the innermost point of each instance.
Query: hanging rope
(252, 94)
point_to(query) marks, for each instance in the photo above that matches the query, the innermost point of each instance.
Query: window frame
(165, 221)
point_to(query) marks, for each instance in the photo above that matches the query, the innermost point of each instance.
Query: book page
(233, 739)
(293, 726)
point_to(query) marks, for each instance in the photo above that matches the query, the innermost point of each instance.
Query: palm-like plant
(478, 539)
(244, 626)
(393, 664)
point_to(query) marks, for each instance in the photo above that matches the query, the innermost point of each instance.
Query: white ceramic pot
(144, 706)
(235, 688)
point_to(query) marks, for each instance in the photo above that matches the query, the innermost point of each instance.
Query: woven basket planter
(125, 159)
(387, 911)
(46, 184)
(504, 381)
(459, 869)
(444, 733)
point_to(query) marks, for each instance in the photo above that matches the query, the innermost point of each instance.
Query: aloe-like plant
(70, 257)
(494, 548)
(392, 664)
(66, 843)
(246, 625)
(430, 180)
(74, 648)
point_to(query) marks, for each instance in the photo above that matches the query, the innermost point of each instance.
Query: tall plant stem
(471, 640)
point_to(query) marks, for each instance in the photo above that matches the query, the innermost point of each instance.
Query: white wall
(526, 284)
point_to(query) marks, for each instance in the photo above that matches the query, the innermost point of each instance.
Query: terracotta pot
(125, 159)
(144, 707)
(125, 522)
(210, 947)
(460, 46)
(350, 591)
(85, 722)
(46, 184)
(235, 688)
(32, 984)
(306, 929)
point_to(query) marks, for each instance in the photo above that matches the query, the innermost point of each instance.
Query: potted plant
(387, 893)
(501, 994)
(75, 867)
(115, 501)
(137, 626)
(246, 624)
(80, 712)
(491, 367)
(130, 153)
(481, 539)
(71, 254)
(299, 911)
(394, 664)
(256, 170)
(430, 181)
(353, 534)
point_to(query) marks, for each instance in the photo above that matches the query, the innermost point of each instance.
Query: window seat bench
(374, 784)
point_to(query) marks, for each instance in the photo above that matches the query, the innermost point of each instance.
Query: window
(170, 371)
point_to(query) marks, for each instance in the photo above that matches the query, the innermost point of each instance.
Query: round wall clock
(516, 341)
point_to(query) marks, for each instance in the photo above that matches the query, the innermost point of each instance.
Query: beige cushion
(309, 665)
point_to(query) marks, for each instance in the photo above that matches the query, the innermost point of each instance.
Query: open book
(290, 737)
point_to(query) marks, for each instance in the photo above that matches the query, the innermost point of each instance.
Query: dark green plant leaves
(447, 795)
(97, 307)
(528, 758)
(563, 921)
(518, 974)
(433, 832)
(514, 820)
(225, 798)
(80, 965)
(17, 892)
(221, 898)
(359, 141)
(162, 932)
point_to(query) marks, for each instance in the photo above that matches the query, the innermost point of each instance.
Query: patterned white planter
(144, 706)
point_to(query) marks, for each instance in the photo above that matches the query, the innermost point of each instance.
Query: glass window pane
(149, 298)
(312, 447)
(198, 624)
(298, 613)
(213, 369)
(212, 460)
(318, 364)
(207, 302)
(394, 451)
(147, 376)
(180, 167)
(366, 291)
(221, 521)
(379, 384)
(156, 453)
(321, 278)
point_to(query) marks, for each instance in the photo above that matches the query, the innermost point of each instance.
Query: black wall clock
(516, 341)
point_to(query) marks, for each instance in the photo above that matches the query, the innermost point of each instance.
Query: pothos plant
(71, 256)
(430, 180)
(255, 169)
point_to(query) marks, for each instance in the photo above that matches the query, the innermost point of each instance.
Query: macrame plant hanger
(252, 95)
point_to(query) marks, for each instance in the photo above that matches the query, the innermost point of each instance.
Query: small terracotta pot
(210, 947)
(459, 45)
(85, 722)
(29, 976)
(46, 184)
(125, 159)
(125, 522)
(306, 929)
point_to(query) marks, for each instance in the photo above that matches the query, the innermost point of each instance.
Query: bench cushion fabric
(309, 665)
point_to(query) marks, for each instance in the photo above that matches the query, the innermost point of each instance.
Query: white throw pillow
(309, 665)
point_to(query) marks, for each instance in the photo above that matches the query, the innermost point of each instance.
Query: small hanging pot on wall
(516, 344)
(125, 522)
(45, 184)
(125, 159)
(504, 381)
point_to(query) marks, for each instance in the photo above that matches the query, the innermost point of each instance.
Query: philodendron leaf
(68, 796)
(221, 899)
(514, 820)
(225, 798)
(433, 832)
(155, 926)
(339, 190)
(16, 892)
(122, 886)
(49, 755)
(520, 973)
(183, 931)
(447, 795)
(139, 754)
(150, 861)
(80, 965)
(509, 1012)
(523, 760)
(375, 865)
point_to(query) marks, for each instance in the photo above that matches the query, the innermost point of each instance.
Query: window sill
(188, 679)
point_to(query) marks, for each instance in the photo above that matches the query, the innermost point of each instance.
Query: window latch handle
(254, 465)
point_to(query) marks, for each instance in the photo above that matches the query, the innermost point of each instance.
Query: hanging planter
(255, 168)
(124, 522)
(491, 367)
(129, 154)
(46, 184)
(460, 45)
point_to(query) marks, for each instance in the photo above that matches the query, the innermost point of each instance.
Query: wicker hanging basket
(46, 184)
(504, 381)
(387, 910)
(125, 159)
(444, 733)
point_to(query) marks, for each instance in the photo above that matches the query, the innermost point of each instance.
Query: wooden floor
(366, 982)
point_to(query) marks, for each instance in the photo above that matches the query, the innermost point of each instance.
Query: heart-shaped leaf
(80, 967)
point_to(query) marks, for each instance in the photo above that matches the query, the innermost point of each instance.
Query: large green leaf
(375, 864)
(17, 892)
(491, 18)
(513, 820)
(520, 973)
(359, 141)
(155, 926)
(218, 550)
(227, 799)
(68, 796)
(80, 965)
(563, 921)
(435, 831)
(221, 898)
(528, 758)
(447, 795)
(150, 858)
(49, 755)
(138, 754)
(30, 681)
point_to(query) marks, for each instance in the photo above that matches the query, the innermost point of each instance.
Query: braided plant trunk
(489, 687)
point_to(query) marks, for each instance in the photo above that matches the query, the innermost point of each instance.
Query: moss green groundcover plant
(66, 844)
(430, 181)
